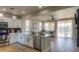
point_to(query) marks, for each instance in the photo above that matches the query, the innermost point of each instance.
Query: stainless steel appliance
(3, 32)
(37, 42)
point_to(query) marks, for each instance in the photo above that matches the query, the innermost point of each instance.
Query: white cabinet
(22, 38)
(45, 44)
(12, 37)
(30, 42)
(14, 23)
(42, 43)
(25, 39)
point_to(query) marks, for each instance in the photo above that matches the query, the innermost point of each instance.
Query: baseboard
(13, 43)
(46, 50)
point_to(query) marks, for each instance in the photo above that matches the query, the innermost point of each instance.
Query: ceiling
(18, 10)
(25, 10)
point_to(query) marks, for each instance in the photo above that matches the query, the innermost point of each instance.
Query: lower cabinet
(12, 38)
(37, 42)
(25, 40)
(30, 41)
(41, 43)
(22, 38)
(45, 44)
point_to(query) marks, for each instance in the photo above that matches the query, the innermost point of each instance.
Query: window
(49, 26)
(46, 26)
(52, 26)
(40, 26)
(27, 26)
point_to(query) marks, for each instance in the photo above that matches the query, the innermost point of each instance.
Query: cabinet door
(23, 39)
(35, 42)
(30, 43)
(39, 43)
(45, 43)
(42, 43)
(12, 38)
(20, 39)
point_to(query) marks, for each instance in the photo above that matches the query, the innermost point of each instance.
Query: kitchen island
(42, 42)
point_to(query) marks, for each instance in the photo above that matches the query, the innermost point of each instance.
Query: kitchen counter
(46, 35)
(39, 42)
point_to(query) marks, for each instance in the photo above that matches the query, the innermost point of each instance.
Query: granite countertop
(46, 35)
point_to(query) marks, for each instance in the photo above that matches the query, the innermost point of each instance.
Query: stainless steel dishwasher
(37, 42)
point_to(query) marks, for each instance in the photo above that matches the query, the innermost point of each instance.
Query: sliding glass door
(64, 28)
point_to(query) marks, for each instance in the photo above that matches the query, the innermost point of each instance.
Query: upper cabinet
(14, 23)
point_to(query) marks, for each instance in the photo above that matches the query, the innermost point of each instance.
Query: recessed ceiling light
(40, 6)
(4, 9)
(23, 11)
(1, 14)
(14, 17)
(12, 8)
